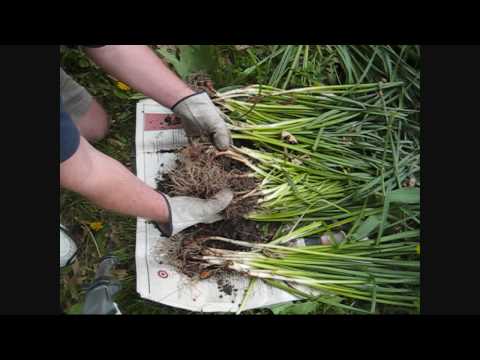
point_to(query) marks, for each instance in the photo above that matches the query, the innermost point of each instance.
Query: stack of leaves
(323, 152)
(332, 137)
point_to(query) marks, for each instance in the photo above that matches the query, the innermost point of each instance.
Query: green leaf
(172, 59)
(75, 309)
(120, 94)
(228, 88)
(367, 227)
(301, 308)
(192, 59)
(386, 208)
(198, 57)
(137, 96)
(83, 63)
(406, 196)
(168, 56)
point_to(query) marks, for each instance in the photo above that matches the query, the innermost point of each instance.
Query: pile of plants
(308, 162)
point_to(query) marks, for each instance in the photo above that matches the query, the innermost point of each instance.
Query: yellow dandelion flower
(418, 249)
(122, 86)
(96, 226)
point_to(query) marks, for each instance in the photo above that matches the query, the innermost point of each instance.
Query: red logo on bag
(162, 274)
(160, 122)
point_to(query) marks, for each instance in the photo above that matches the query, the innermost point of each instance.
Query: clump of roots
(200, 81)
(185, 251)
(202, 171)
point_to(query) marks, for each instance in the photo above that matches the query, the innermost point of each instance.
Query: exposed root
(187, 250)
(202, 171)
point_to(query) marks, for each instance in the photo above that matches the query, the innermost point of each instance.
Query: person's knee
(103, 127)
(94, 125)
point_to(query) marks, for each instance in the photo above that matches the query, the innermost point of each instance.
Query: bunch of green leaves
(192, 59)
(364, 270)
(373, 63)
(322, 151)
(289, 66)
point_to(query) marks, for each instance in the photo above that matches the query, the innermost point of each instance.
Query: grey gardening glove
(187, 211)
(200, 116)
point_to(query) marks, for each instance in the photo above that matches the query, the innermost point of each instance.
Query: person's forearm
(110, 185)
(139, 67)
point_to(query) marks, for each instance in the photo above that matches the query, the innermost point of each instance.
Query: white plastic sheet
(156, 279)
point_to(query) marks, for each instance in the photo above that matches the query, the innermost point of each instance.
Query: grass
(118, 233)
(285, 66)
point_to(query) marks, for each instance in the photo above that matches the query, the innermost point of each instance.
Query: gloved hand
(186, 211)
(200, 116)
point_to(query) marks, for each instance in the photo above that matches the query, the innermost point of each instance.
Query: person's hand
(186, 211)
(200, 116)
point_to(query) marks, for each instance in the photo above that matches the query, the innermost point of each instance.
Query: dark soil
(185, 247)
(237, 229)
(202, 173)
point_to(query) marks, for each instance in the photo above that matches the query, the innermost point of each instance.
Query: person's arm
(139, 67)
(110, 185)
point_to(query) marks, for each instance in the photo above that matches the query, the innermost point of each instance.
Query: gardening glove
(200, 116)
(186, 211)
